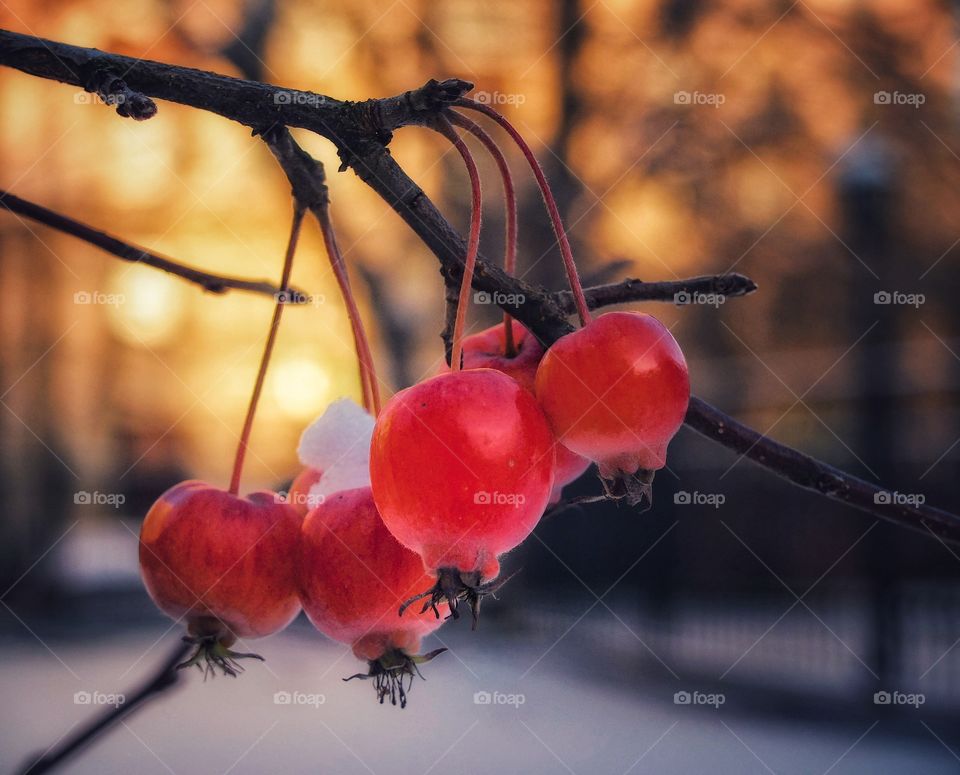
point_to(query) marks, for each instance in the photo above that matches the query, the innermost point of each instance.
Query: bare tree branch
(812, 474)
(361, 132)
(128, 252)
(725, 286)
(163, 678)
(254, 104)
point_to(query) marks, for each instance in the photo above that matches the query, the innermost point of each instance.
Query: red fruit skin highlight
(353, 575)
(462, 467)
(486, 350)
(220, 561)
(616, 391)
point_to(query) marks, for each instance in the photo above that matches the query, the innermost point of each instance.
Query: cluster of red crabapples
(418, 501)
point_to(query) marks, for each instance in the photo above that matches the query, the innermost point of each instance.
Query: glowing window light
(300, 387)
(147, 306)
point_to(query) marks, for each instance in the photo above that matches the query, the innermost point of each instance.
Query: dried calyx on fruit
(352, 574)
(220, 562)
(462, 467)
(393, 672)
(616, 391)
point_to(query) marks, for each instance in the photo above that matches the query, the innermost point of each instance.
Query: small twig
(129, 252)
(163, 679)
(350, 125)
(726, 286)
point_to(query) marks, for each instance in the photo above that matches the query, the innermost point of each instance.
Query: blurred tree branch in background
(127, 252)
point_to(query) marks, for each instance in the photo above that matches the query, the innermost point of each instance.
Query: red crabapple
(462, 467)
(222, 563)
(352, 575)
(488, 350)
(616, 391)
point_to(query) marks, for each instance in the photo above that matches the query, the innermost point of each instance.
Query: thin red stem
(554, 212)
(368, 373)
(267, 350)
(445, 128)
(510, 203)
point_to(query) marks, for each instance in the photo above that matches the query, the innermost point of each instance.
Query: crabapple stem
(445, 128)
(551, 203)
(510, 203)
(298, 212)
(368, 373)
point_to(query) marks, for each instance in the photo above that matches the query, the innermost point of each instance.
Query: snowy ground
(561, 719)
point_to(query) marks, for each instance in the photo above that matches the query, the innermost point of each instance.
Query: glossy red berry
(353, 575)
(616, 391)
(487, 350)
(223, 564)
(462, 467)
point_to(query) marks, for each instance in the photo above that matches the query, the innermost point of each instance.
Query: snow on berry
(338, 443)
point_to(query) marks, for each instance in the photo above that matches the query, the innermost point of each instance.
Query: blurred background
(739, 626)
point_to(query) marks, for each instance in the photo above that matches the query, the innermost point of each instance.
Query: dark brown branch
(361, 132)
(535, 306)
(128, 252)
(350, 125)
(812, 474)
(163, 679)
(711, 289)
